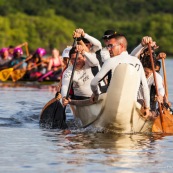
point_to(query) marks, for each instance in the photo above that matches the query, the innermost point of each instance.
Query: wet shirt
(109, 67)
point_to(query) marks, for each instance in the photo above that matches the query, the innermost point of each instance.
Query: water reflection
(111, 141)
(116, 152)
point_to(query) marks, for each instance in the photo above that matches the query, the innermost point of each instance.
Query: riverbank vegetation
(50, 23)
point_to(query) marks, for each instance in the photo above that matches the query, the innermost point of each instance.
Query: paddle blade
(5, 74)
(17, 74)
(157, 127)
(52, 115)
(167, 122)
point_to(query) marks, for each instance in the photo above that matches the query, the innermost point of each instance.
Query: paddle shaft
(70, 84)
(165, 78)
(155, 81)
(74, 44)
(26, 48)
(74, 65)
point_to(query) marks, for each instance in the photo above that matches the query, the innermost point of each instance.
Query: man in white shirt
(117, 46)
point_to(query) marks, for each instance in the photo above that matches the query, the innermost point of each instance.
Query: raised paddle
(26, 48)
(167, 118)
(69, 86)
(155, 81)
(162, 56)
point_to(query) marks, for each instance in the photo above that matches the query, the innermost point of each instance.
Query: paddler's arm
(96, 43)
(145, 91)
(99, 76)
(65, 81)
(90, 57)
(144, 42)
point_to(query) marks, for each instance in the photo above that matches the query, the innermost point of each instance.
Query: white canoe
(117, 109)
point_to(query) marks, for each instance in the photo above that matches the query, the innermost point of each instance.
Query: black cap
(108, 34)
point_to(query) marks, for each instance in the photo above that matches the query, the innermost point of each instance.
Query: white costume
(112, 63)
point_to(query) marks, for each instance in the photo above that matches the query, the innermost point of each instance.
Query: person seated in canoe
(37, 64)
(55, 61)
(5, 59)
(54, 67)
(150, 80)
(65, 59)
(158, 66)
(11, 48)
(157, 63)
(135, 52)
(93, 46)
(151, 85)
(17, 58)
(82, 75)
(117, 46)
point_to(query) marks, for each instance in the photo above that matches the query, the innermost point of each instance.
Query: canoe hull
(117, 109)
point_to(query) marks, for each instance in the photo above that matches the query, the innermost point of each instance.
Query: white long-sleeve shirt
(112, 63)
(81, 79)
(96, 43)
(137, 50)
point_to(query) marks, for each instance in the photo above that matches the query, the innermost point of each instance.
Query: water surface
(25, 147)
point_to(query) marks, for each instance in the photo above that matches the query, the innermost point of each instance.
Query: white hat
(65, 53)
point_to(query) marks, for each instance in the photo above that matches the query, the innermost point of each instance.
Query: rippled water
(25, 147)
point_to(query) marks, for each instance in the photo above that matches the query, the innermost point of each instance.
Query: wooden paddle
(26, 48)
(155, 81)
(162, 56)
(70, 84)
(167, 119)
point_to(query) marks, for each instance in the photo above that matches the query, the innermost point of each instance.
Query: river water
(25, 147)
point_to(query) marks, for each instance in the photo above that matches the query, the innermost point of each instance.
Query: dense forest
(50, 23)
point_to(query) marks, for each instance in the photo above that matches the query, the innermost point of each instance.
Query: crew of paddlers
(94, 66)
(35, 67)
